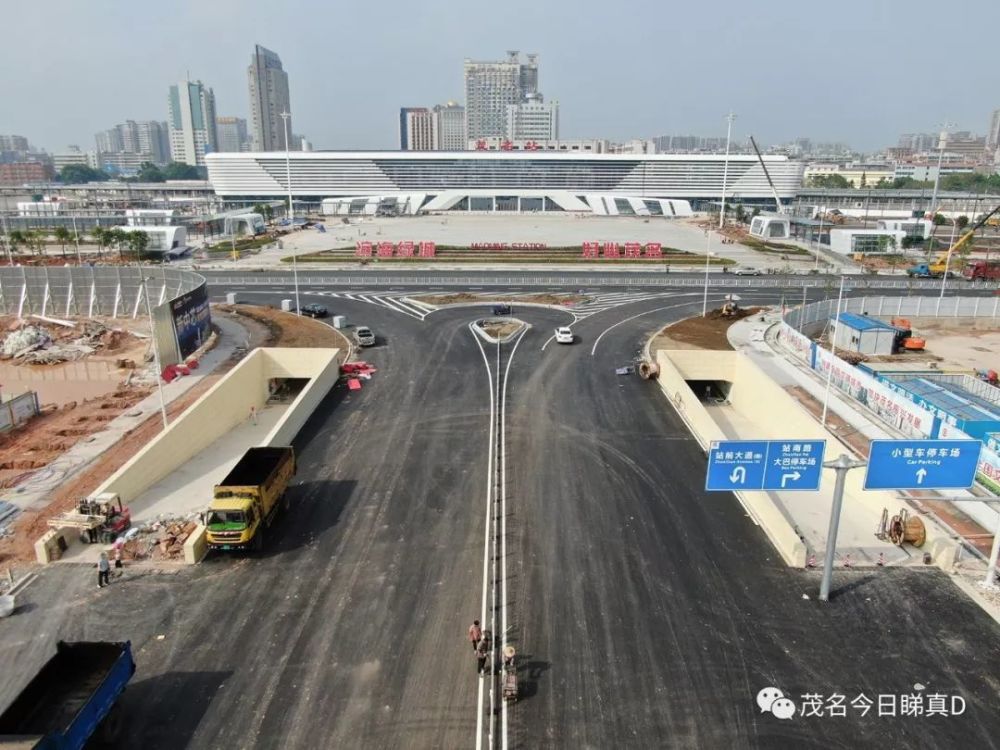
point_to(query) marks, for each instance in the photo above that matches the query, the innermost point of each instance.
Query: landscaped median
(564, 255)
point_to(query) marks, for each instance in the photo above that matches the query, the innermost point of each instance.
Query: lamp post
(947, 260)
(76, 239)
(841, 465)
(288, 169)
(704, 302)
(833, 353)
(725, 169)
(942, 139)
(156, 352)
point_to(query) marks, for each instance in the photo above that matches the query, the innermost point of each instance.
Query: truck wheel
(258, 540)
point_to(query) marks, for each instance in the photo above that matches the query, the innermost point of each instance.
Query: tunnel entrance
(710, 391)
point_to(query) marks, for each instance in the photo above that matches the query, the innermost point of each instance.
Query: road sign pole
(841, 465)
(991, 569)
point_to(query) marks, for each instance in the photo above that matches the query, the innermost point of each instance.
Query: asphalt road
(645, 612)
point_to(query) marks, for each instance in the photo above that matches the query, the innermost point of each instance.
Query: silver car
(364, 336)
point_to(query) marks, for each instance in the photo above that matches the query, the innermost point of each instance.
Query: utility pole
(942, 140)
(841, 465)
(156, 351)
(704, 302)
(725, 169)
(833, 352)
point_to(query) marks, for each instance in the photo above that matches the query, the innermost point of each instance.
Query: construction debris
(162, 539)
(31, 344)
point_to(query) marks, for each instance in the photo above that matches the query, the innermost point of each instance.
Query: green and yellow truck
(246, 502)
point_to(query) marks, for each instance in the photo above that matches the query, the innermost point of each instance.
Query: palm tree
(137, 242)
(62, 235)
(118, 236)
(17, 239)
(100, 238)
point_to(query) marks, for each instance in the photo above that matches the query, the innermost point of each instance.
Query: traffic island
(498, 330)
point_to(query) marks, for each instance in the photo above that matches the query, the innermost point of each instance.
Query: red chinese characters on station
(363, 250)
(611, 250)
(591, 249)
(633, 249)
(426, 249)
(481, 145)
(531, 146)
(385, 249)
(405, 249)
(654, 250)
(506, 146)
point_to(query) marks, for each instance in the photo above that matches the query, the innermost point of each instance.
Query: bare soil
(466, 297)
(500, 329)
(267, 327)
(700, 333)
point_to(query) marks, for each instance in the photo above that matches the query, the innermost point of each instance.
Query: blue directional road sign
(922, 464)
(789, 465)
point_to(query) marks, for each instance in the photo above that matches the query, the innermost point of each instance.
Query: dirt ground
(540, 299)
(267, 327)
(500, 329)
(700, 333)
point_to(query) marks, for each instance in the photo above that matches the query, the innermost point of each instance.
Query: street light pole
(942, 139)
(833, 353)
(295, 273)
(725, 169)
(704, 303)
(288, 170)
(156, 353)
(76, 239)
(841, 465)
(947, 260)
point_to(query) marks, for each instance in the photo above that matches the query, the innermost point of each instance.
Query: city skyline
(655, 89)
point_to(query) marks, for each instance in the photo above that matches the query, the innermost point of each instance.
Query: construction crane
(770, 182)
(966, 237)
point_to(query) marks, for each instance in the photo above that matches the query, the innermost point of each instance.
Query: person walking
(483, 652)
(475, 634)
(103, 571)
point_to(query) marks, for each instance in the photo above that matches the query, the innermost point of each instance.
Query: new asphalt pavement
(645, 612)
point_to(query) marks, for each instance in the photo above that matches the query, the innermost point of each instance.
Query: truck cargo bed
(71, 694)
(256, 465)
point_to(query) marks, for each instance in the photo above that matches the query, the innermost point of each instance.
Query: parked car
(502, 309)
(312, 310)
(364, 336)
(743, 271)
(564, 335)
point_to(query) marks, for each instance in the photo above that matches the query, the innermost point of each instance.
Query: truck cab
(231, 523)
(981, 270)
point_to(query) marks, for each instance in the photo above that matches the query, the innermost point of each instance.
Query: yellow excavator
(942, 264)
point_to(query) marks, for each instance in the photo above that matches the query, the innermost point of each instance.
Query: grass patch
(251, 243)
(454, 254)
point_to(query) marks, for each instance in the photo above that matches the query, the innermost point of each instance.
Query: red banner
(426, 249)
(404, 249)
(385, 249)
(363, 250)
(613, 250)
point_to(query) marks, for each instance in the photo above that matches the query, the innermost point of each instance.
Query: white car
(746, 272)
(564, 335)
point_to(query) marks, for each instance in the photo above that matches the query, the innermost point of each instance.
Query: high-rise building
(14, 143)
(192, 122)
(148, 138)
(232, 133)
(154, 139)
(450, 127)
(417, 129)
(491, 87)
(993, 134)
(268, 99)
(533, 120)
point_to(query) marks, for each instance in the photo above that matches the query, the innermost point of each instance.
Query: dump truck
(982, 270)
(247, 501)
(71, 699)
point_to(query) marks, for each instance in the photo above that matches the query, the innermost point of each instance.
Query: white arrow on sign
(738, 475)
(921, 473)
(794, 475)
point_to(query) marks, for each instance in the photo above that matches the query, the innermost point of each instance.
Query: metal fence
(651, 279)
(18, 410)
(805, 318)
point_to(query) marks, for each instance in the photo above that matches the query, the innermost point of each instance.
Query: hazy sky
(855, 71)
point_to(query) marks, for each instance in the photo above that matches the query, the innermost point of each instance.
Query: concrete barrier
(51, 545)
(196, 546)
(323, 371)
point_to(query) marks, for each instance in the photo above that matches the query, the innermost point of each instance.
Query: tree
(138, 242)
(864, 179)
(72, 174)
(62, 235)
(829, 181)
(17, 239)
(149, 172)
(939, 220)
(264, 210)
(962, 221)
(177, 171)
(740, 213)
(117, 237)
(100, 235)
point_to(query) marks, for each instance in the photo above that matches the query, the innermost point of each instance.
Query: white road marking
(639, 315)
(486, 540)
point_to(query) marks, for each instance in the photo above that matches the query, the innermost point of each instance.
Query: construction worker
(103, 571)
(483, 652)
(475, 634)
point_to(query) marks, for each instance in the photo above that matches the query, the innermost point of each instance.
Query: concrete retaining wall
(225, 405)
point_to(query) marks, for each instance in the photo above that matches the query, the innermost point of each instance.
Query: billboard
(192, 319)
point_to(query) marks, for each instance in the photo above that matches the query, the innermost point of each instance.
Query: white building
(192, 122)
(928, 172)
(73, 155)
(149, 217)
(170, 240)
(771, 227)
(529, 180)
(848, 241)
(490, 87)
(859, 333)
(418, 129)
(269, 97)
(533, 120)
(922, 228)
(450, 123)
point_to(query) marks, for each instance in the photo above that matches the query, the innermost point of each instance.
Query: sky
(857, 71)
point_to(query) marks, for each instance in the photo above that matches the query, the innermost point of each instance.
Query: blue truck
(71, 699)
